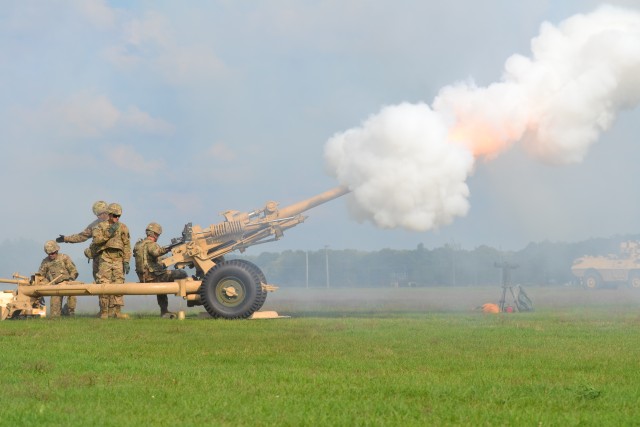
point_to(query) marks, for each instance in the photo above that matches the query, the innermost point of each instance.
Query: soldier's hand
(126, 267)
(60, 239)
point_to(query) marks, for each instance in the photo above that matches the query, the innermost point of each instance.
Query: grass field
(365, 357)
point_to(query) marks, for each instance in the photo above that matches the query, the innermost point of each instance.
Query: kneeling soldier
(58, 268)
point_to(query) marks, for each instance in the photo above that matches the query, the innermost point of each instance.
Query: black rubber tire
(243, 279)
(592, 280)
(263, 294)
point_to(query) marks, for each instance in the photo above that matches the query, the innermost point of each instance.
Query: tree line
(540, 264)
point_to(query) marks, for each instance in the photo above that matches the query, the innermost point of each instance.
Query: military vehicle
(610, 270)
(229, 289)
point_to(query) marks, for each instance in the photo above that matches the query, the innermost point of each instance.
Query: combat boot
(163, 302)
(168, 315)
(117, 314)
(104, 309)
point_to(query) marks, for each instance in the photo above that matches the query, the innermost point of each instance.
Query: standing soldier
(146, 253)
(57, 268)
(100, 211)
(111, 245)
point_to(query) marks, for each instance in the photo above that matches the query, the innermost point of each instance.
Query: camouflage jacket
(62, 266)
(84, 235)
(116, 246)
(146, 253)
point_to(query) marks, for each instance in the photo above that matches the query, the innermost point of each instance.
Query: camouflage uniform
(112, 248)
(83, 236)
(64, 267)
(146, 253)
(98, 209)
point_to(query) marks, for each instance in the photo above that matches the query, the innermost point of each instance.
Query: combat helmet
(51, 246)
(99, 207)
(114, 209)
(155, 227)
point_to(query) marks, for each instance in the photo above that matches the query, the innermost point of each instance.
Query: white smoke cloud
(402, 170)
(557, 102)
(407, 165)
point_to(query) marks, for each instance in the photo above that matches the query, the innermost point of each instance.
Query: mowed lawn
(569, 366)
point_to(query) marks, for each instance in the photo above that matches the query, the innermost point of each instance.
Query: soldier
(100, 211)
(146, 253)
(111, 245)
(58, 268)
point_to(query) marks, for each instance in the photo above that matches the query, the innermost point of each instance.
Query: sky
(179, 111)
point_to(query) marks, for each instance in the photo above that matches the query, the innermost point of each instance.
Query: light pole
(454, 247)
(326, 262)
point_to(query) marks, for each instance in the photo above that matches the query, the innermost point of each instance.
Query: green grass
(410, 369)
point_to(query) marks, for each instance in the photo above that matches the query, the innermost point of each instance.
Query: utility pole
(306, 253)
(326, 262)
(454, 247)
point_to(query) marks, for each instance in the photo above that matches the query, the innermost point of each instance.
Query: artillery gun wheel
(592, 280)
(232, 290)
(263, 294)
(634, 279)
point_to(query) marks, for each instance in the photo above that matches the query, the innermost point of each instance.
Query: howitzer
(227, 289)
(201, 248)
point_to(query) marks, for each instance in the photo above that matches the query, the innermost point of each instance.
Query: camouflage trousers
(55, 305)
(103, 300)
(72, 301)
(111, 270)
(165, 276)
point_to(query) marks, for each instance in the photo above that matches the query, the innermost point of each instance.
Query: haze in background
(180, 112)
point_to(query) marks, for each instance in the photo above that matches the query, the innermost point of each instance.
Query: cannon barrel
(203, 248)
(179, 287)
(312, 202)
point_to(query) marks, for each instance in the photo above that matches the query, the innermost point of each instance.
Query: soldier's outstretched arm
(82, 236)
(77, 238)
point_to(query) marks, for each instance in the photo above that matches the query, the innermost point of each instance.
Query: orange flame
(481, 138)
